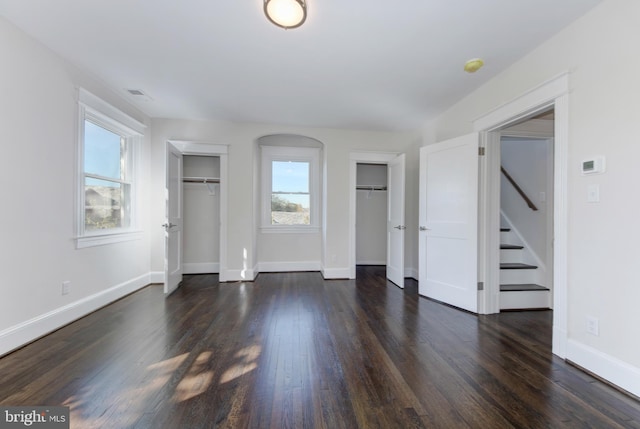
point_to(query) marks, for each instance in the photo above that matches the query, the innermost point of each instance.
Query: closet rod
(371, 188)
(200, 180)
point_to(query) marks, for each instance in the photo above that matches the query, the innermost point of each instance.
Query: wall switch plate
(66, 287)
(593, 326)
(593, 193)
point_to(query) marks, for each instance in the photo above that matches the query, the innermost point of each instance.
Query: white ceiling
(363, 64)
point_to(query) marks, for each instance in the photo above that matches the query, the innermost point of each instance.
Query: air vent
(136, 92)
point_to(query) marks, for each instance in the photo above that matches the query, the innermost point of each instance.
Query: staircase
(520, 280)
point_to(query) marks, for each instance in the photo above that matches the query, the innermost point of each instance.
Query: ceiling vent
(135, 92)
(138, 94)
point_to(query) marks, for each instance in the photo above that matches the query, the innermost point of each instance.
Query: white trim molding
(30, 330)
(156, 277)
(244, 275)
(100, 240)
(520, 107)
(620, 373)
(335, 273)
(117, 117)
(200, 267)
(282, 267)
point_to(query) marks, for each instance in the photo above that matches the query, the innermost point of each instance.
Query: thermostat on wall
(593, 166)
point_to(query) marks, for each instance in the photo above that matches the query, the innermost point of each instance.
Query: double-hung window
(108, 149)
(290, 189)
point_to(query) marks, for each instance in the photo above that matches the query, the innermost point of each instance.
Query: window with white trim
(290, 189)
(108, 143)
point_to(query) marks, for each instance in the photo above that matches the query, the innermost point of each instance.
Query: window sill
(107, 238)
(290, 229)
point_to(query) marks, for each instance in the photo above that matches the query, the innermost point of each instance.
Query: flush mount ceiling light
(286, 13)
(473, 65)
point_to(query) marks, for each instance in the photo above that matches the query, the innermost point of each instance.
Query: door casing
(220, 150)
(552, 94)
(384, 158)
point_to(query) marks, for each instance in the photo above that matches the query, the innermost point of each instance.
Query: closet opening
(371, 214)
(201, 211)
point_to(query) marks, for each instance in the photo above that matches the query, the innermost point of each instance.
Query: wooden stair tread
(511, 246)
(522, 287)
(516, 266)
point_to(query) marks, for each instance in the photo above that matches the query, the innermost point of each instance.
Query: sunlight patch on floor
(248, 357)
(197, 380)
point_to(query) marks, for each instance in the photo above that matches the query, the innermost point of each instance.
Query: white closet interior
(201, 211)
(371, 214)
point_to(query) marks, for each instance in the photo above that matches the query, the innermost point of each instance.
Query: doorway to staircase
(526, 214)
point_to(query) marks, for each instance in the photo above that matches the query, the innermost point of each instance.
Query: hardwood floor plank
(292, 350)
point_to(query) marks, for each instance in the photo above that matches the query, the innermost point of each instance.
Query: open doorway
(526, 214)
(176, 150)
(371, 214)
(201, 214)
(394, 227)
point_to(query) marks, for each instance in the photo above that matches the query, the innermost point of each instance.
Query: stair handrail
(519, 189)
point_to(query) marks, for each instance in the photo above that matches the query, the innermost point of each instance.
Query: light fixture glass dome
(286, 13)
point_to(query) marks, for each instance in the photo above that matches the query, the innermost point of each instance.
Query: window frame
(104, 115)
(272, 154)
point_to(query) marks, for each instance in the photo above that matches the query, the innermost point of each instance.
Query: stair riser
(525, 299)
(510, 255)
(520, 276)
(506, 237)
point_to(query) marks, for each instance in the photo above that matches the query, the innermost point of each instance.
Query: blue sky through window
(291, 176)
(101, 154)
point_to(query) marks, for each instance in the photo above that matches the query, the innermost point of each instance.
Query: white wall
(526, 161)
(38, 113)
(243, 255)
(604, 114)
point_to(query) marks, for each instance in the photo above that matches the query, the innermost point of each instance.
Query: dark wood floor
(292, 350)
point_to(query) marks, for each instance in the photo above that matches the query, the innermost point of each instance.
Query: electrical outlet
(593, 326)
(66, 287)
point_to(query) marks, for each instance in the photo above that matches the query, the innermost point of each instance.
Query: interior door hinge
(480, 285)
(481, 150)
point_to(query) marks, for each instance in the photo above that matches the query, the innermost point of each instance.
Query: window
(108, 141)
(290, 180)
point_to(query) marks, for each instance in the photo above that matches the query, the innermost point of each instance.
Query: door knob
(168, 225)
(400, 227)
(424, 228)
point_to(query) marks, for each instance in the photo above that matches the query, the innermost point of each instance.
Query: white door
(173, 222)
(448, 217)
(395, 221)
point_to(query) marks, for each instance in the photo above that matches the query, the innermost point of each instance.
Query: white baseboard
(559, 347)
(411, 273)
(247, 275)
(622, 374)
(156, 277)
(335, 273)
(30, 330)
(371, 262)
(276, 267)
(201, 268)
